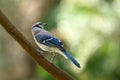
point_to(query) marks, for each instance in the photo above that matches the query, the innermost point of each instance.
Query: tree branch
(49, 67)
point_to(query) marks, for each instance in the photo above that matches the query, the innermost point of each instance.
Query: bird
(48, 42)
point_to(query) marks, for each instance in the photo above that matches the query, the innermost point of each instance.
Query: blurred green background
(90, 30)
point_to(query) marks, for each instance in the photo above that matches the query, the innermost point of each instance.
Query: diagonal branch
(49, 67)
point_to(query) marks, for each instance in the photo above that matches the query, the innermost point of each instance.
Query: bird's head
(39, 25)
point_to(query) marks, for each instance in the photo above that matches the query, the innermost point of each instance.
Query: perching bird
(47, 42)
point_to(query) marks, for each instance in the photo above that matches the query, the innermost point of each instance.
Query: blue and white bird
(47, 42)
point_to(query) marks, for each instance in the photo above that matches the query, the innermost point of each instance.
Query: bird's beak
(44, 24)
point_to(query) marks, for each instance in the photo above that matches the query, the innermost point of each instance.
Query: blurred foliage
(90, 30)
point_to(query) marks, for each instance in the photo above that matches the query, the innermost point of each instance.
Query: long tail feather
(71, 58)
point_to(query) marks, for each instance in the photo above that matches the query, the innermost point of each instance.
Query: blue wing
(49, 40)
(54, 41)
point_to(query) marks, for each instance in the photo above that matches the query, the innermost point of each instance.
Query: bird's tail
(71, 58)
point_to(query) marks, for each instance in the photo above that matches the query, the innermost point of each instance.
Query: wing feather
(49, 40)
